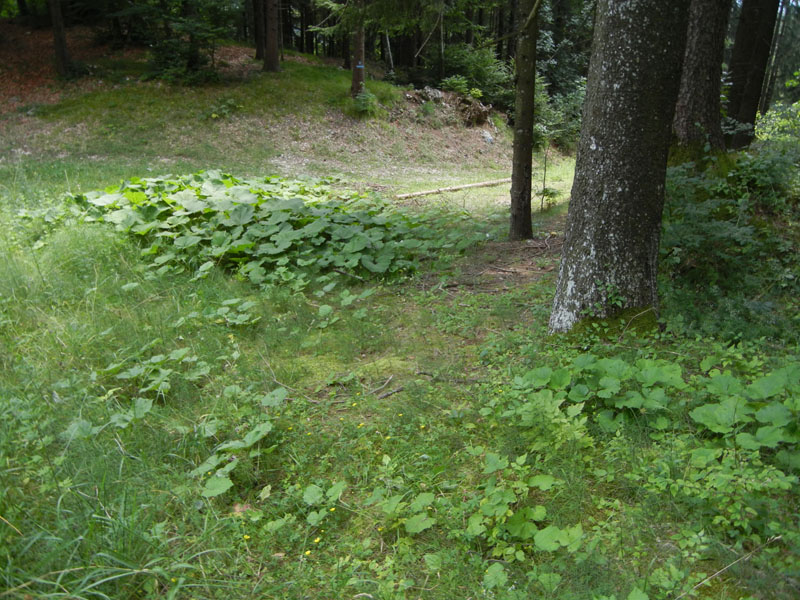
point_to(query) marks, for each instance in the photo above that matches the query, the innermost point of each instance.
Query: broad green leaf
(419, 522)
(141, 406)
(539, 377)
(767, 386)
(543, 482)
(274, 398)
(257, 433)
(548, 539)
(187, 241)
(315, 517)
(520, 526)
(495, 576)
(560, 379)
(241, 214)
(433, 562)
(608, 387)
(494, 462)
(637, 594)
(215, 486)
(475, 525)
(702, 456)
(549, 581)
(79, 429)
(421, 502)
(721, 417)
(335, 491)
(775, 413)
(724, 385)
(313, 494)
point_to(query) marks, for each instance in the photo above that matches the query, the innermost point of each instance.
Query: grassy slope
(397, 401)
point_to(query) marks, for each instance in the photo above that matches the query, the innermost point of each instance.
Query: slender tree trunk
(357, 85)
(388, 51)
(272, 51)
(697, 113)
(610, 254)
(521, 226)
(259, 26)
(500, 31)
(63, 62)
(774, 56)
(749, 64)
(22, 7)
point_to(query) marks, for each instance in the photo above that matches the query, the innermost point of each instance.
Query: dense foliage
(271, 231)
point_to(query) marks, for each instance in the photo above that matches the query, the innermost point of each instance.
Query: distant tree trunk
(63, 62)
(272, 50)
(388, 53)
(357, 85)
(311, 40)
(610, 254)
(259, 26)
(749, 64)
(697, 113)
(774, 56)
(500, 32)
(22, 7)
(521, 226)
(287, 26)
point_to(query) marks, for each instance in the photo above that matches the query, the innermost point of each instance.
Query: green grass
(416, 447)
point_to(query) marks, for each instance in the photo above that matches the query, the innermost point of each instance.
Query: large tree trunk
(749, 64)
(272, 50)
(697, 113)
(609, 258)
(357, 85)
(521, 227)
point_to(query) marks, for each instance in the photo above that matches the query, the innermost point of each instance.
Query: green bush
(728, 260)
(480, 68)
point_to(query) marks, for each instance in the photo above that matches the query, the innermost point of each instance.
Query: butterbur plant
(271, 231)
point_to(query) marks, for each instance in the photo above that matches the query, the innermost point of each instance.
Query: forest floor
(173, 425)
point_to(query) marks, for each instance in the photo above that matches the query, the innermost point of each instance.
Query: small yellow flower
(354, 404)
(309, 433)
(360, 425)
(307, 552)
(422, 426)
(333, 508)
(316, 540)
(246, 537)
(388, 437)
(380, 528)
(341, 418)
(399, 414)
(290, 428)
(173, 580)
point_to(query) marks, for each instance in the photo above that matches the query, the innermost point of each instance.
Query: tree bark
(610, 254)
(697, 113)
(749, 59)
(63, 62)
(521, 226)
(272, 50)
(357, 85)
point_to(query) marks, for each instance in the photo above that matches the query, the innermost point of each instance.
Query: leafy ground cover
(176, 423)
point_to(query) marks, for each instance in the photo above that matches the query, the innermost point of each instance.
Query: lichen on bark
(609, 260)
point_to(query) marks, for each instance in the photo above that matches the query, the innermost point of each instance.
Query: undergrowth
(218, 387)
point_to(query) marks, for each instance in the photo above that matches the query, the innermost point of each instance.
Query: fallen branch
(390, 392)
(454, 188)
